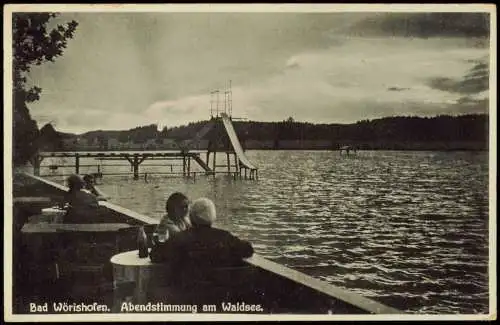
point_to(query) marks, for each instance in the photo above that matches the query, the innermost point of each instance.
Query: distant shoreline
(441, 133)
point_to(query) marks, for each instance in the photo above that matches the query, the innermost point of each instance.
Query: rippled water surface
(409, 229)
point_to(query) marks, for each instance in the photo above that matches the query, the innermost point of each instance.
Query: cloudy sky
(123, 70)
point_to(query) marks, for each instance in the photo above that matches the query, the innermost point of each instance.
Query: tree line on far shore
(450, 132)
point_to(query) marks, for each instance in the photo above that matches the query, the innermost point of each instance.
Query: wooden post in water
(228, 163)
(136, 166)
(77, 164)
(184, 166)
(237, 164)
(214, 156)
(189, 166)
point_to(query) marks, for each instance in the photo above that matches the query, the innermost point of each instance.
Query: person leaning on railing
(202, 245)
(89, 185)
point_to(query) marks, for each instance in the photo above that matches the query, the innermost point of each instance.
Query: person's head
(177, 206)
(202, 212)
(88, 179)
(75, 182)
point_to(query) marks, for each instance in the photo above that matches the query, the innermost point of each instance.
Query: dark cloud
(476, 81)
(467, 105)
(425, 24)
(398, 88)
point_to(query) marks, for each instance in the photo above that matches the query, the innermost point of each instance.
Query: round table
(131, 259)
(53, 214)
(129, 267)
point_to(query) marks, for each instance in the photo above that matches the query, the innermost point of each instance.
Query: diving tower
(222, 138)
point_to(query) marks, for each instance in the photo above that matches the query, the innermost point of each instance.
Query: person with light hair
(202, 245)
(202, 212)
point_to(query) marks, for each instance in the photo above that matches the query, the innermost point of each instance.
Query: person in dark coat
(202, 246)
(82, 205)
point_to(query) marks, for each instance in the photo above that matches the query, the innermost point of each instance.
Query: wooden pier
(134, 158)
(221, 136)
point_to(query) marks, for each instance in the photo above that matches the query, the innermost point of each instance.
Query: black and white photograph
(249, 162)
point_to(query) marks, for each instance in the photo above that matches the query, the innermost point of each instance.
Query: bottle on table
(142, 243)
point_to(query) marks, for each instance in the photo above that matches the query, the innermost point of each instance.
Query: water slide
(228, 125)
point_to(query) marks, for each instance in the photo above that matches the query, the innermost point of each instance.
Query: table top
(53, 210)
(32, 199)
(131, 258)
(58, 227)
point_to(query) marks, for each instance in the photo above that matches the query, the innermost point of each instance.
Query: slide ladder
(203, 165)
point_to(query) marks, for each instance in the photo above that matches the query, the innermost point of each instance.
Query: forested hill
(440, 132)
(442, 128)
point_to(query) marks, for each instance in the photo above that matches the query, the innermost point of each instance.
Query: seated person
(202, 245)
(91, 188)
(82, 205)
(176, 219)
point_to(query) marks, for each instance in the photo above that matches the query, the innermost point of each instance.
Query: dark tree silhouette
(49, 139)
(32, 44)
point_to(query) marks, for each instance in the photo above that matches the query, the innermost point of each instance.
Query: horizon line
(280, 121)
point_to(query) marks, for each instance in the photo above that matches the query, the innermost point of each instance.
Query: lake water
(408, 229)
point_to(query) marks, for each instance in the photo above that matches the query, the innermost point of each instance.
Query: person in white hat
(202, 245)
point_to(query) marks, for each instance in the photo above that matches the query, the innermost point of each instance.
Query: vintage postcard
(249, 162)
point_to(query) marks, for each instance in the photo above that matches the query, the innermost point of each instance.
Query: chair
(85, 271)
(203, 286)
